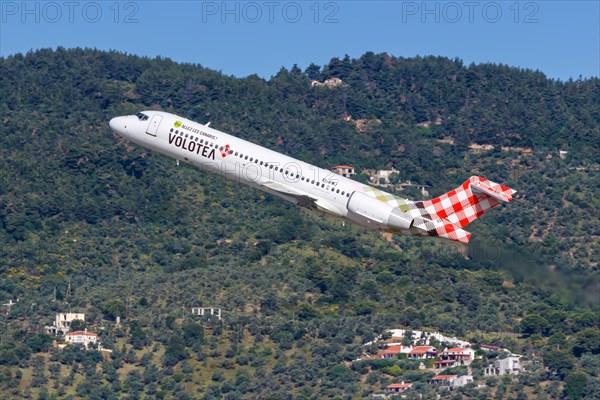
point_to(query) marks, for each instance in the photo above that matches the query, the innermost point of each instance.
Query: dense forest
(90, 223)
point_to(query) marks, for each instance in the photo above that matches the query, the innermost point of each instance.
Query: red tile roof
(486, 346)
(456, 350)
(422, 349)
(393, 349)
(443, 377)
(398, 385)
(81, 333)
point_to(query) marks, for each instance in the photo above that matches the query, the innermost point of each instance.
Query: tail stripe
(446, 215)
(468, 202)
(461, 206)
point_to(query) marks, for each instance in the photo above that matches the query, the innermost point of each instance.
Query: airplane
(309, 186)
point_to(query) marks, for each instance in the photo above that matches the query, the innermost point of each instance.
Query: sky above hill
(559, 38)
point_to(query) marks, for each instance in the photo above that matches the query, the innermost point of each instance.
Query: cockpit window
(142, 116)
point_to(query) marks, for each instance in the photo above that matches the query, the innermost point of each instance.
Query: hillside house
(462, 381)
(393, 351)
(507, 366)
(446, 381)
(207, 311)
(383, 175)
(344, 170)
(451, 381)
(442, 364)
(398, 387)
(332, 82)
(422, 352)
(329, 82)
(455, 356)
(84, 338)
(62, 323)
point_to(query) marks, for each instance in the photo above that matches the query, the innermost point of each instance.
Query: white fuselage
(259, 167)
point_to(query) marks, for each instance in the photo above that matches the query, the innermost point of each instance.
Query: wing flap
(302, 199)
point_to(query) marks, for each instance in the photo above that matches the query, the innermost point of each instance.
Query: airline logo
(177, 124)
(226, 150)
(191, 146)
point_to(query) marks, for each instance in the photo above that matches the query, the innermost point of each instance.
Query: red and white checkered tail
(461, 206)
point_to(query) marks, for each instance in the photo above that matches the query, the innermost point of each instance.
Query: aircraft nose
(119, 125)
(116, 124)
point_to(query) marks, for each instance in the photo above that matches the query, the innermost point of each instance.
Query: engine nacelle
(370, 212)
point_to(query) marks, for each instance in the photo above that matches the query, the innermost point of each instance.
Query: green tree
(175, 351)
(587, 340)
(560, 361)
(575, 385)
(534, 324)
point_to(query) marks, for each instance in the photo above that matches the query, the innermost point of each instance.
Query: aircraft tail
(461, 206)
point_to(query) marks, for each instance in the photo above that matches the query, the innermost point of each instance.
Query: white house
(455, 356)
(422, 352)
(398, 387)
(344, 170)
(62, 323)
(81, 337)
(393, 351)
(507, 366)
(444, 381)
(205, 311)
(329, 82)
(462, 381)
(451, 381)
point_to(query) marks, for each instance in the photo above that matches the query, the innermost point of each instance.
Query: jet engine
(370, 212)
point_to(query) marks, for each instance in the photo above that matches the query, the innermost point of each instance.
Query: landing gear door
(153, 125)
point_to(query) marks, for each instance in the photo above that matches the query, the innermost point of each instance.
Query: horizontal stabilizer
(497, 191)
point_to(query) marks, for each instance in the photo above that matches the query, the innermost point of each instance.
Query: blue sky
(560, 38)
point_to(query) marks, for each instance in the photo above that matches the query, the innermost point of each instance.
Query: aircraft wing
(302, 199)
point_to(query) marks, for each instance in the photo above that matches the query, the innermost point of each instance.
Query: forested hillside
(91, 223)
